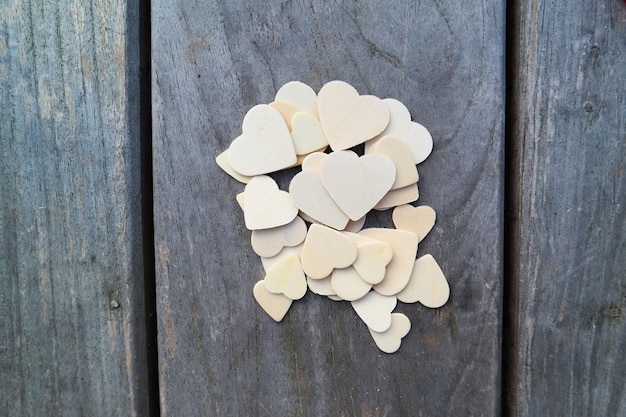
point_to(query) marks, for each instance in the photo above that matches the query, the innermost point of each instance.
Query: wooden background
(526, 105)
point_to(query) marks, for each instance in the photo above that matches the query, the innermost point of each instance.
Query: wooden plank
(72, 337)
(219, 354)
(568, 269)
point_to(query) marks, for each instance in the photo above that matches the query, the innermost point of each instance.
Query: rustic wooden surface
(568, 268)
(219, 354)
(71, 282)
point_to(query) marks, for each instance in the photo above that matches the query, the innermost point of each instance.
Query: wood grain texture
(219, 354)
(72, 337)
(568, 269)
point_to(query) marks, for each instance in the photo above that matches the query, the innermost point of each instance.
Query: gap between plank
(147, 215)
(512, 146)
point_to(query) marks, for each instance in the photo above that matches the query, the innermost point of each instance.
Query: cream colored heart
(265, 144)
(287, 277)
(372, 258)
(357, 184)
(416, 136)
(222, 162)
(400, 154)
(269, 242)
(375, 310)
(276, 305)
(355, 226)
(398, 271)
(320, 286)
(300, 158)
(428, 284)
(307, 133)
(287, 250)
(310, 196)
(300, 95)
(419, 220)
(287, 110)
(313, 161)
(347, 284)
(326, 249)
(393, 198)
(347, 118)
(265, 206)
(390, 340)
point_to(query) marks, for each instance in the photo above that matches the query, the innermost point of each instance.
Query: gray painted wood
(219, 354)
(72, 339)
(568, 269)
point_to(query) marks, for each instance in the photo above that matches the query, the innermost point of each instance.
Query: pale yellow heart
(287, 110)
(347, 118)
(326, 249)
(375, 310)
(276, 305)
(398, 197)
(348, 284)
(310, 196)
(313, 161)
(287, 277)
(390, 340)
(222, 162)
(372, 258)
(416, 136)
(307, 133)
(269, 242)
(400, 154)
(398, 271)
(300, 95)
(265, 206)
(428, 284)
(320, 286)
(265, 145)
(284, 253)
(357, 184)
(419, 220)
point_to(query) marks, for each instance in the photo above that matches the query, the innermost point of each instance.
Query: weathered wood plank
(568, 269)
(72, 338)
(219, 353)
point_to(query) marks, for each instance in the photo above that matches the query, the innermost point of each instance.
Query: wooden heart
(276, 305)
(307, 133)
(265, 206)
(372, 257)
(320, 286)
(310, 196)
(287, 110)
(287, 250)
(348, 284)
(390, 340)
(398, 197)
(375, 310)
(416, 136)
(419, 220)
(300, 95)
(313, 161)
(400, 154)
(398, 271)
(269, 242)
(428, 284)
(357, 184)
(347, 118)
(326, 249)
(287, 277)
(222, 162)
(265, 144)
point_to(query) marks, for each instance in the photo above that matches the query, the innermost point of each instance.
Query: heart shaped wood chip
(265, 144)
(307, 133)
(275, 305)
(269, 242)
(375, 310)
(265, 206)
(348, 118)
(326, 249)
(428, 284)
(287, 277)
(400, 154)
(419, 220)
(357, 184)
(390, 340)
(348, 284)
(299, 95)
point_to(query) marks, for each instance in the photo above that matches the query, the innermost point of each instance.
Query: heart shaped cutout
(357, 184)
(310, 196)
(285, 252)
(265, 144)
(287, 110)
(390, 340)
(347, 284)
(275, 305)
(265, 206)
(287, 277)
(375, 310)
(222, 162)
(307, 133)
(419, 220)
(320, 286)
(300, 95)
(398, 271)
(347, 118)
(400, 154)
(398, 197)
(428, 284)
(416, 136)
(326, 249)
(269, 242)
(372, 257)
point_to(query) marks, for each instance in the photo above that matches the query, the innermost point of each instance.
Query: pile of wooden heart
(372, 268)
